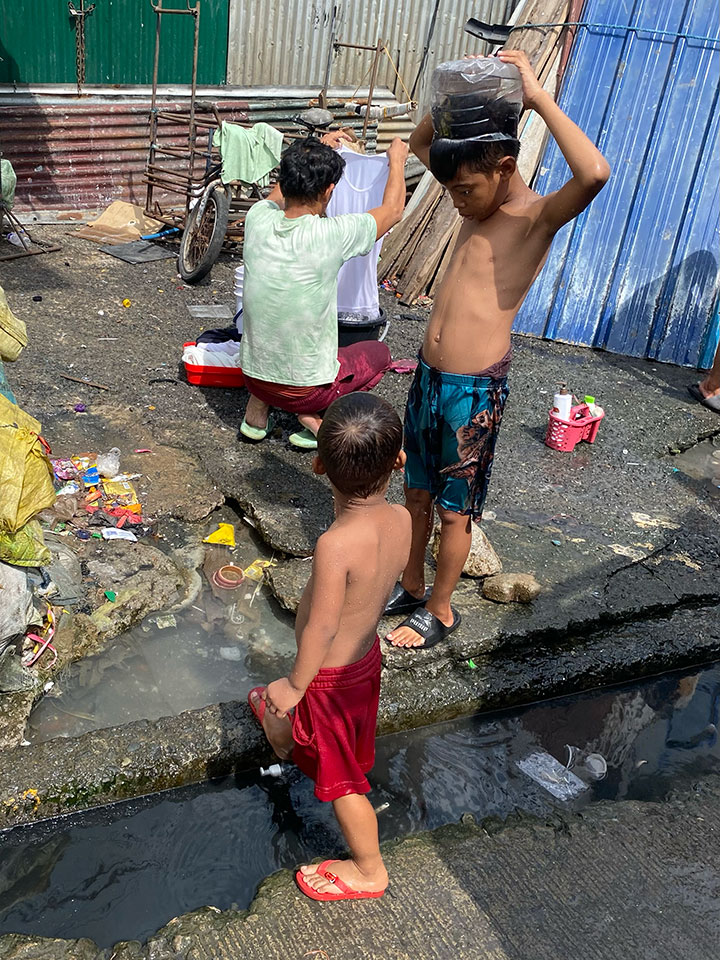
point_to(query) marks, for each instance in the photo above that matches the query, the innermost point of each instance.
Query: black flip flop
(712, 403)
(400, 601)
(432, 630)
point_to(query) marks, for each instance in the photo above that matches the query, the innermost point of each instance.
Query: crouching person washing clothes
(292, 254)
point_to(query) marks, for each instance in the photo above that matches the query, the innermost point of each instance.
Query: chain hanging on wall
(79, 15)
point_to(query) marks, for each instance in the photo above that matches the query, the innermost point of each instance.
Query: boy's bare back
(356, 564)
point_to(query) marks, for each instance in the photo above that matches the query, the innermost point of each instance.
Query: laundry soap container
(478, 99)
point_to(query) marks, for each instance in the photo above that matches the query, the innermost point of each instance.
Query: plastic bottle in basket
(478, 99)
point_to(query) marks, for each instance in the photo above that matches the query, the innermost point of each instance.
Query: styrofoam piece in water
(552, 775)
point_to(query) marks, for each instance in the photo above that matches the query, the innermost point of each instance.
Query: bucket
(353, 327)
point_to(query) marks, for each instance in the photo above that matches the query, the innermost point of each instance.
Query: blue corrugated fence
(637, 272)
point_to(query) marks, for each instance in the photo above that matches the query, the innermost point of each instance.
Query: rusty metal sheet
(72, 154)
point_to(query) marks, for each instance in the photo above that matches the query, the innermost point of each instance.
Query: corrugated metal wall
(287, 42)
(637, 273)
(37, 42)
(80, 154)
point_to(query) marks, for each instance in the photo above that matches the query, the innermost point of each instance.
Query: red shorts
(334, 727)
(362, 366)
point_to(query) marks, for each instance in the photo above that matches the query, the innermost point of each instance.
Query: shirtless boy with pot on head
(456, 400)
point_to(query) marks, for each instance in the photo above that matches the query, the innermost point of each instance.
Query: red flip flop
(345, 892)
(259, 710)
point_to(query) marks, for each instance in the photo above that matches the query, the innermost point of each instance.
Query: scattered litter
(381, 808)
(118, 533)
(142, 450)
(231, 653)
(107, 339)
(69, 489)
(556, 543)
(255, 570)
(275, 770)
(592, 765)
(111, 595)
(228, 577)
(165, 621)
(224, 535)
(210, 311)
(108, 464)
(37, 299)
(47, 687)
(79, 408)
(552, 775)
(472, 664)
(127, 303)
(87, 383)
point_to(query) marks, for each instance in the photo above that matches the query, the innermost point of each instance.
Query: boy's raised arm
(329, 580)
(590, 170)
(421, 139)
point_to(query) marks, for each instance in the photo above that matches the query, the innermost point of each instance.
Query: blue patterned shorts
(451, 426)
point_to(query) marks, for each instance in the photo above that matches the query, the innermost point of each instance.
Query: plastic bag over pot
(477, 99)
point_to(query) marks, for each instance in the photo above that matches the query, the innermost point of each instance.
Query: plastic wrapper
(477, 99)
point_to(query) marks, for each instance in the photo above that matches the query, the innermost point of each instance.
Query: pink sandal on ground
(345, 892)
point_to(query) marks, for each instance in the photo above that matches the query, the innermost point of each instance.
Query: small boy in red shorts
(334, 685)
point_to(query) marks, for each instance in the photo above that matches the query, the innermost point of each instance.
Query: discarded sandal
(427, 625)
(256, 433)
(712, 403)
(260, 708)
(401, 601)
(304, 440)
(344, 891)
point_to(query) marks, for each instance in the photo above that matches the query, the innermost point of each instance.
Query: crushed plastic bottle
(108, 464)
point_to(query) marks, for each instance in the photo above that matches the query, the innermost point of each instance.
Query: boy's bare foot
(278, 731)
(350, 874)
(424, 629)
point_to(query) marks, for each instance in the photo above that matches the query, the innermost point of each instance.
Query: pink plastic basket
(564, 434)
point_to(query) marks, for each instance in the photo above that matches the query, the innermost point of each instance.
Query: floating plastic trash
(552, 775)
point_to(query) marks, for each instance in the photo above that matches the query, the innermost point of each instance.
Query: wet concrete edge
(143, 757)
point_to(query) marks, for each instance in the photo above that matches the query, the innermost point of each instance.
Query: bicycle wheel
(204, 234)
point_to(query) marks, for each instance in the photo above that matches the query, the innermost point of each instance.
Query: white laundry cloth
(201, 356)
(360, 189)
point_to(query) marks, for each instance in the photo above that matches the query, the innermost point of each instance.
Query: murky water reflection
(121, 872)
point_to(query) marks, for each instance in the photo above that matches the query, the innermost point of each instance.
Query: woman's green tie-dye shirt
(290, 330)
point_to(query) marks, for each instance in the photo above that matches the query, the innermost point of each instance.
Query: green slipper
(256, 433)
(305, 440)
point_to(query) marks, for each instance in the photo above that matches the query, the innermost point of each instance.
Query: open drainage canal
(121, 872)
(214, 649)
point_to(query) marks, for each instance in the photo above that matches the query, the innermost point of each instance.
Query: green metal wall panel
(37, 42)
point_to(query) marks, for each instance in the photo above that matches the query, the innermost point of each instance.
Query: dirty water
(211, 651)
(123, 871)
(702, 463)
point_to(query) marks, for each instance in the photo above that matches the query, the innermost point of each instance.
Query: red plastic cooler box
(202, 376)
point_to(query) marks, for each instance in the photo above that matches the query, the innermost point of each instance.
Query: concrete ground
(623, 544)
(621, 880)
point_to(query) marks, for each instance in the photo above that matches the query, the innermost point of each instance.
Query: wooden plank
(402, 233)
(429, 251)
